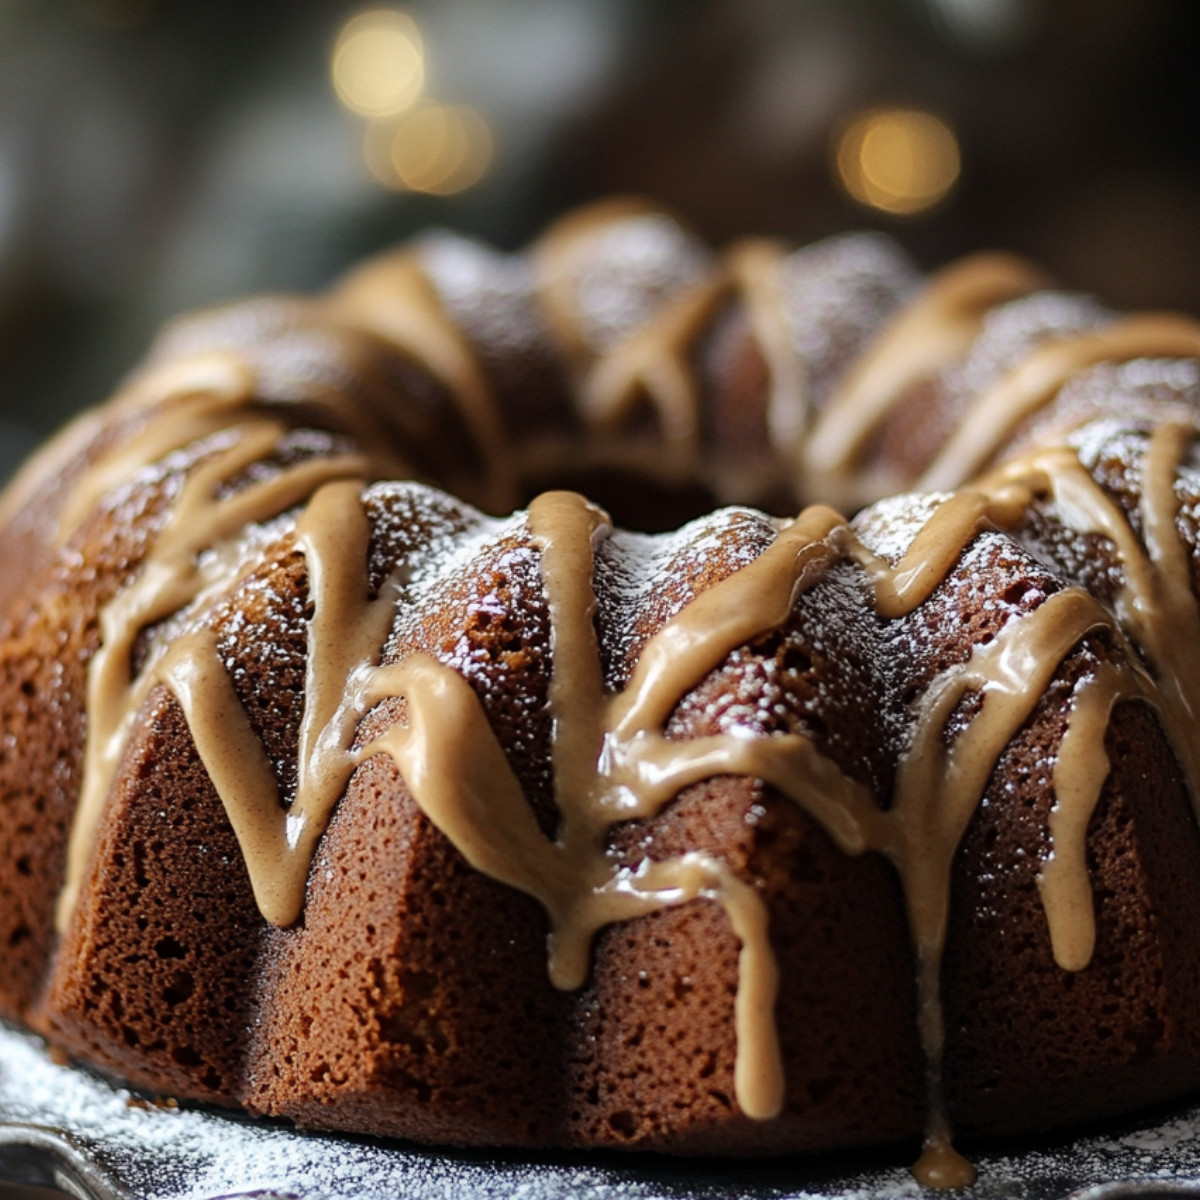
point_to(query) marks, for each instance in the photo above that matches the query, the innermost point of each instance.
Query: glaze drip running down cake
(332, 792)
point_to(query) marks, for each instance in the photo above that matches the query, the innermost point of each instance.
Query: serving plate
(67, 1128)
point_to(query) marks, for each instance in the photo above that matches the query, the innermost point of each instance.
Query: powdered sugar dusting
(888, 527)
(133, 1149)
(646, 579)
(632, 268)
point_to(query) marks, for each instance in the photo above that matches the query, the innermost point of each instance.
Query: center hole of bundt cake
(635, 501)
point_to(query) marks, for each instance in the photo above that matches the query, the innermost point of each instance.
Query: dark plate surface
(68, 1128)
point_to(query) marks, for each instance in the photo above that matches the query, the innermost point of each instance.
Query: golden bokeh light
(378, 63)
(899, 160)
(439, 149)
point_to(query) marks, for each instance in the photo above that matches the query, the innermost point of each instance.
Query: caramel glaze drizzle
(611, 759)
(654, 361)
(1155, 608)
(393, 297)
(192, 559)
(818, 455)
(1038, 379)
(934, 331)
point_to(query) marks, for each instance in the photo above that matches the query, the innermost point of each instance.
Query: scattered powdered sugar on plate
(63, 1125)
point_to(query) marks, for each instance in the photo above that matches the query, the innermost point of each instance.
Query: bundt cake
(363, 804)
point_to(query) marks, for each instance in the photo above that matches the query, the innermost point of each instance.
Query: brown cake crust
(406, 991)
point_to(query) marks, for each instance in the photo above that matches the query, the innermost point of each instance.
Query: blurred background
(159, 155)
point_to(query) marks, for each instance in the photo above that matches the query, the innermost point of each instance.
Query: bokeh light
(435, 148)
(899, 160)
(378, 63)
